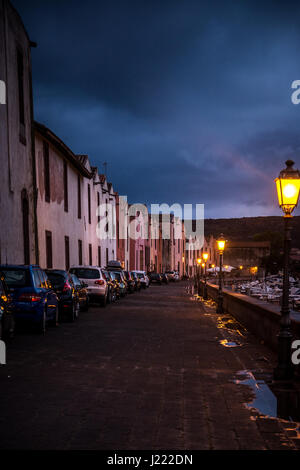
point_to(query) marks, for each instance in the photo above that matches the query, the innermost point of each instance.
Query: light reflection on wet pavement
(269, 399)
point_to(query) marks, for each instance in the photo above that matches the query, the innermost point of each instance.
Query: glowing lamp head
(199, 260)
(221, 243)
(205, 256)
(213, 265)
(288, 188)
(203, 265)
(241, 267)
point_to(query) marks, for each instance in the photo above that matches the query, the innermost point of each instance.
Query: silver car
(95, 282)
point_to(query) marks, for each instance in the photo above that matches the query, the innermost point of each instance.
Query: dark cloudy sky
(188, 101)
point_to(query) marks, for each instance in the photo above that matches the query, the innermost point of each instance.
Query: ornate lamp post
(288, 188)
(205, 257)
(199, 261)
(221, 247)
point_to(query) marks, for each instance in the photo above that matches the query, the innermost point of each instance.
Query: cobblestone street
(150, 372)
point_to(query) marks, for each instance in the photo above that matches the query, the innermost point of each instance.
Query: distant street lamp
(205, 257)
(221, 247)
(288, 188)
(199, 261)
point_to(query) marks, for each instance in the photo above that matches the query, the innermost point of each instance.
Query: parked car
(155, 277)
(144, 280)
(96, 284)
(113, 286)
(130, 281)
(7, 321)
(137, 281)
(171, 275)
(68, 299)
(82, 292)
(177, 276)
(164, 278)
(122, 284)
(33, 299)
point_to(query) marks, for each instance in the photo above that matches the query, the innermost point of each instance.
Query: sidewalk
(236, 375)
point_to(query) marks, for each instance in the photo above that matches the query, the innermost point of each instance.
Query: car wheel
(86, 305)
(54, 321)
(42, 324)
(77, 309)
(103, 301)
(72, 314)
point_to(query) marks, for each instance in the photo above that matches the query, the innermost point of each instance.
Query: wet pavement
(158, 370)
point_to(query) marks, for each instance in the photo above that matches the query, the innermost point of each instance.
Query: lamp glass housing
(205, 256)
(221, 244)
(288, 188)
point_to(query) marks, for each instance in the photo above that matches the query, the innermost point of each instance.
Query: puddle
(274, 401)
(265, 401)
(228, 344)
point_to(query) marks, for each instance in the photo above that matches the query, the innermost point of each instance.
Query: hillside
(247, 227)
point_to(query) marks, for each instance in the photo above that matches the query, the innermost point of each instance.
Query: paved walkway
(150, 372)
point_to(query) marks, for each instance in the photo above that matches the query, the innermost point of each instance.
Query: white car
(95, 282)
(144, 279)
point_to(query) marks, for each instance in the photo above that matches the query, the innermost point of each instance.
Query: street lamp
(205, 257)
(199, 261)
(288, 188)
(221, 247)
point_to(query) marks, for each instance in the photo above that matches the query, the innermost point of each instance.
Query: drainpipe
(35, 190)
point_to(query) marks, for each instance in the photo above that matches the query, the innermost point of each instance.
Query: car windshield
(85, 273)
(75, 280)
(118, 276)
(57, 279)
(140, 275)
(16, 277)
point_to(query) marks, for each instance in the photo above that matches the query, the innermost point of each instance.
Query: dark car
(122, 284)
(82, 293)
(33, 299)
(62, 284)
(137, 281)
(7, 321)
(155, 277)
(113, 286)
(164, 278)
(130, 281)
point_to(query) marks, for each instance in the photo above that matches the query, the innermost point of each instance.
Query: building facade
(18, 236)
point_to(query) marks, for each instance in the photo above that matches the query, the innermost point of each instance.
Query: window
(36, 278)
(46, 171)
(66, 199)
(49, 249)
(80, 252)
(67, 253)
(99, 256)
(98, 204)
(90, 255)
(89, 204)
(79, 196)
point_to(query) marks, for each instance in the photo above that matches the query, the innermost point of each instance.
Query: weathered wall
(15, 153)
(257, 316)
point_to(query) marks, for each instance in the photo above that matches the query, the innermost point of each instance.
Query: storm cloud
(187, 101)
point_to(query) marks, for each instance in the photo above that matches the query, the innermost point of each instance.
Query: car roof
(19, 266)
(85, 267)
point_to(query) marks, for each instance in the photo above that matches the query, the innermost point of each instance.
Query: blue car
(33, 299)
